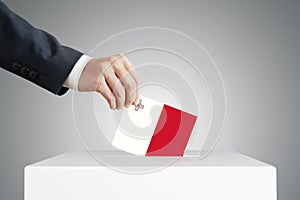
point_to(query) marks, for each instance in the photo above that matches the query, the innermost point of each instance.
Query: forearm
(34, 54)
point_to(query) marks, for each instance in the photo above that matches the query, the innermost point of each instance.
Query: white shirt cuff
(73, 78)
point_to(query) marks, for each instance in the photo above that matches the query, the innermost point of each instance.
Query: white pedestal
(223, 175)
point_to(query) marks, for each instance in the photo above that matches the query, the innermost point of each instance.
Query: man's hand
(114, 78)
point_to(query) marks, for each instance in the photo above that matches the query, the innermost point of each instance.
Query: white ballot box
(222, 175)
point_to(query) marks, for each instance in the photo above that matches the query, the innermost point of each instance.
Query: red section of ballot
(172, 132)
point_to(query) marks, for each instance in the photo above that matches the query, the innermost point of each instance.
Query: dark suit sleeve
(34, 54)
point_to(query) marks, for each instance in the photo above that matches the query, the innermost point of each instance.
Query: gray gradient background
(255, 43)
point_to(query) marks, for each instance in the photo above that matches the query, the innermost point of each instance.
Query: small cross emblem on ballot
(139, 105)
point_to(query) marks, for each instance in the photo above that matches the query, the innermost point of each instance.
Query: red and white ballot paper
(152, 128)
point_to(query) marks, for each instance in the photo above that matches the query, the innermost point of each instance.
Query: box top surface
(95, 159)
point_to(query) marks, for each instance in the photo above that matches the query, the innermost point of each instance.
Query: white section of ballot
(223, 175)
(136, 128)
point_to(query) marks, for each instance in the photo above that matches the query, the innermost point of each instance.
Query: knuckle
(121, 55)
(111, 99)
(118, 58)
(117, 67)
(122, 58)
(138, 79)
(104, 66)
(131, 96)
(119, 92)
(131, 86)
(111, 59)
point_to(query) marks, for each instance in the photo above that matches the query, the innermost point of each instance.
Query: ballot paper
(152, 128)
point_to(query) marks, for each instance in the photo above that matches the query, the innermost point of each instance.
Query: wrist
(73, 79)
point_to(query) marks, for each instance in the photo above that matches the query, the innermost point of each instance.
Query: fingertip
(113, 105)
(137, 96)
(136, 101)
